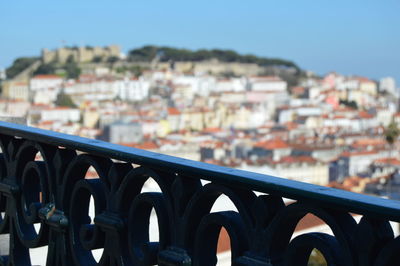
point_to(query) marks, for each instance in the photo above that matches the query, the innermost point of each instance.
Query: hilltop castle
(80, 54)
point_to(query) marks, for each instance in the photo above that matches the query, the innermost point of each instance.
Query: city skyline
(356, 38)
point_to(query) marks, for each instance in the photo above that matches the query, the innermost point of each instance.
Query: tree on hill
(19, 65)
(135, 70)
(72, 69)
(64, 100)
(147, 53)
(97, 59)
(112, 59)
(391, 133)
(351, 104)
(45, 69)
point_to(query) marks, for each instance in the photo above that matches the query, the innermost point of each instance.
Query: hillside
(72, 66)
(149, 52)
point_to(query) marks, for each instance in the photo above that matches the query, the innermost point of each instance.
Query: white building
(45, 82)
(359, 161)
(231, 84)
(63, 114)
(349, 84)
(2, 74)
(18, 90)
(200, 85)
(388, 84)
(267, 83)
(133, 89)
(47, 96)
(331, 81)
(14, 108)
(384, 116)
(303, 168)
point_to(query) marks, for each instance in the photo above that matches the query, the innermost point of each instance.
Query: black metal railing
(43, 182)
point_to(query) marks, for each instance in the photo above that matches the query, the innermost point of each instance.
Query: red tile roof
(212, 144)
(291, 125)
(173, 111)
(297, 159)
(368, 142)
(212, 130)
(47, 77)
(365, 115)
(357, 153)
(272, 144)
(149, 145)
(392, 161)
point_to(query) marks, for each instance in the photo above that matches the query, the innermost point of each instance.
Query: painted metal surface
(51, 190)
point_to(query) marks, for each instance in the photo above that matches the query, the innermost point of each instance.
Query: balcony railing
(43, 182)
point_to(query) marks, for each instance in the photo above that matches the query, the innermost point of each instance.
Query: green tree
(19, 65)
(228, 74)
(147, 53)
(97, 59)
(64, 100)
(137, 70)
(70, 59)
(72, 70)
(112, 59)
(45, 69)
(391, 133)
(351, 104)
(121, 69)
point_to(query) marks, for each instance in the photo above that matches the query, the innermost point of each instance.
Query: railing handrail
(349, 201)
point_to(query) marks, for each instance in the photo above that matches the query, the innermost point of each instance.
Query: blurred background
(357, 37)
(304, 90)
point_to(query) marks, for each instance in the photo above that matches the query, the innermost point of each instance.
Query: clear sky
(348, 36)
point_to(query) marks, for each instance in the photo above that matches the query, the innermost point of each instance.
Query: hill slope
(149, 52)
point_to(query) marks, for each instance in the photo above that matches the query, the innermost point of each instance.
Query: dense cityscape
(200, 133)
(333, 130)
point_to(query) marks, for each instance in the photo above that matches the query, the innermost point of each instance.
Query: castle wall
(79, 54)
(48, 56)
(85, 54)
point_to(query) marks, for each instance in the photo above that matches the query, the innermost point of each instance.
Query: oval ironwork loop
(28, 152)
(144, 252)
(208, 233)
(77, 170)
(85, 235)
(132, 185)
(201, 203)
(299, 250)
(34, 195)
(281, 229)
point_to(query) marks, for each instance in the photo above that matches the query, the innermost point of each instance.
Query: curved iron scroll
(45, 196)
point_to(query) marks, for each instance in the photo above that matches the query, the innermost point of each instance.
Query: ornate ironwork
(43, 182)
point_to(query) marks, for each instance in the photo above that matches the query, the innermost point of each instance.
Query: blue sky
(350, 37)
